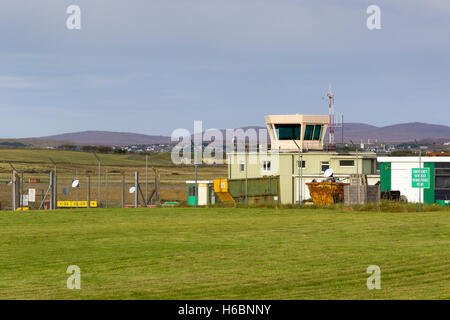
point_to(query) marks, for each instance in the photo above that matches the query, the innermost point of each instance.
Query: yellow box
(220, 185)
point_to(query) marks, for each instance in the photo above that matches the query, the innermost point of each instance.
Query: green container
(264, 189)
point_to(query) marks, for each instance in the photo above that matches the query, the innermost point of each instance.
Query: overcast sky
(151, 66)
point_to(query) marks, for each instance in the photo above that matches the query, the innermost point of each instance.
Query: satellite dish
(75, 183)
(328, 173)
(132, 190)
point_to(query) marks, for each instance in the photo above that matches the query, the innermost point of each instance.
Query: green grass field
(183, 253)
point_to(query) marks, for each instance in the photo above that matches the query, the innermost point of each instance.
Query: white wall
(401, 180)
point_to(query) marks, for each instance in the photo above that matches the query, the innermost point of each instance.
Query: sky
(152, 66)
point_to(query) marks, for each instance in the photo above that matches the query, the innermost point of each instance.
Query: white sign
(24, 200)
(31, 195)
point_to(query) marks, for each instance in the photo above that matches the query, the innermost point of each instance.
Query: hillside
(404, 132)
(108, 138)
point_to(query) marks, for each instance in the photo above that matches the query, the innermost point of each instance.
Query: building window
(347, 163)
(442, 178)
(325, 166)
(303, 164)
(242, 166)
(288, 131)
(313, 132)
(192, 191)
(266, 166)
(317, 132)
(442, 182)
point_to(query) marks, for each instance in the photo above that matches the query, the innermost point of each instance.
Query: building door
(202, 194)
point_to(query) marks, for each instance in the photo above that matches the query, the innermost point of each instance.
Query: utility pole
(99, 180)
(14, 186)
(246, 177)
(14, 190)
(196, 173)
(136, 191)
(357, 171)
(52, 190)
(420, 179)
(300, 176)
(196, 184)
(76, 189)
(146, 178)
(123, 190)
(55, 185)
(21, 192)
(106, 189)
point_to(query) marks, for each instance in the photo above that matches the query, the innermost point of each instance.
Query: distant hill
(405, 132)
(108, 138)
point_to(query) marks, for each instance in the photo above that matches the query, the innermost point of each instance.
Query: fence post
(14, 190)
(89, 192)
(136, 191)
(123, 190)
(52, 192)
(21, 192)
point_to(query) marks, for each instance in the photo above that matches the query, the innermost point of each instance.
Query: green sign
(421, 178)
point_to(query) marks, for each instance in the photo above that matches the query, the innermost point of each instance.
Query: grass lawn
(184, 253)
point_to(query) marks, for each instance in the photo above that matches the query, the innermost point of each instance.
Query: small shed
(426, 178)
(206, 194)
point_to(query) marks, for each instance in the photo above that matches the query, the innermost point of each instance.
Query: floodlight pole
(300, 176)
(99, 179)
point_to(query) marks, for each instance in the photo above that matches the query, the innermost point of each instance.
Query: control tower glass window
(313, 132)
(317, 132)
(288, 131)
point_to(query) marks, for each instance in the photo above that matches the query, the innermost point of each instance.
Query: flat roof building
(292, 137)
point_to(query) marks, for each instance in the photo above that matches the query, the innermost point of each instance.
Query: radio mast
(332, 124)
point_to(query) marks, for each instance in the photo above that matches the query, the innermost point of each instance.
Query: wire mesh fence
(114, 189)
